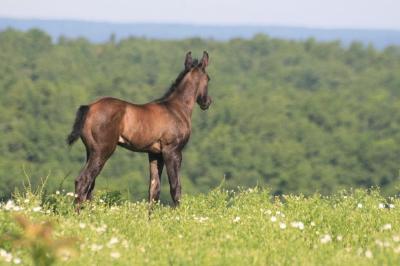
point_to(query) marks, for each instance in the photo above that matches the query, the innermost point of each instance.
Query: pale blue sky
(312, 13)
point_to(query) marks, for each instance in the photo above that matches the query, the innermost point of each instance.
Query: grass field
(243, 227)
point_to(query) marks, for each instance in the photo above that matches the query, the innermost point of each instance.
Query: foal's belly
(150, 146)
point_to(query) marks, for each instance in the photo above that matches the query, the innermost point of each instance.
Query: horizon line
(220, 25)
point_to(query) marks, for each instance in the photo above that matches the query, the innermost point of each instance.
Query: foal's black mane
(178, 80)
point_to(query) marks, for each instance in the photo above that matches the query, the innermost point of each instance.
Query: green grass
(246, 227)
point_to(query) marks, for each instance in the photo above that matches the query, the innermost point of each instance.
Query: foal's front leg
(173, 159)
(156, 163)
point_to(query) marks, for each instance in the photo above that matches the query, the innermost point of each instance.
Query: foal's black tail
(78, 124)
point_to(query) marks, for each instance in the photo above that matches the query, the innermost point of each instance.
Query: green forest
(296, 116)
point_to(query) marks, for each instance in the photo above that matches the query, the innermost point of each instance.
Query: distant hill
(101, 31)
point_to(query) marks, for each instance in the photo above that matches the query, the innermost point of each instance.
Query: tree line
(297, 116)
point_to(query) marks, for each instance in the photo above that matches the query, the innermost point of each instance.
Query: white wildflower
(326, 239)
(125, 243)
(36, 209)
(115, 254)
(379, 243)
(17, 260)
(391, 206)
(387, 227)
(279, 213)
(301, 225)
(381, 206)
(9, 205)
(298, 225)
(57, 192)
(282, 226)
(2, 252)
(82, 225)
(312, 224)
(8, 257)
(273, 219)
(201, 219)
(359, 205)
(397, 250)
(95, 247)
(5, 255)
(101, 229)
(396, 238)
(339, 238)
(112, 241)
(65, 254)
(368, 254)
(236, 219)
(71, 194)
(17, 208)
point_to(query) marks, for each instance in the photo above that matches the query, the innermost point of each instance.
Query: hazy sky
(313, 13)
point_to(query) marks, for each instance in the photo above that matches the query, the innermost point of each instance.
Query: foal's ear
(188, 60)
(204, 60)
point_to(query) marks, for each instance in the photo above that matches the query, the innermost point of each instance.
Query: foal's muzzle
(205, 104)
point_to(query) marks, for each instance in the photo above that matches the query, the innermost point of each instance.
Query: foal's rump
(103, 122)
(98, 121)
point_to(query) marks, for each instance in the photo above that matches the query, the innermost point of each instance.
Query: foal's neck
(184, 95)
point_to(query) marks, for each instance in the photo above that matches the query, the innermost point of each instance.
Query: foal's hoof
(78, 209)
(78, 205)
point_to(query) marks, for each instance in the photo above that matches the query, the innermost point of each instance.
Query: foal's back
(136, 127)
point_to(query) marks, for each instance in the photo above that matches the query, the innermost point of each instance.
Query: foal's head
(197, 72)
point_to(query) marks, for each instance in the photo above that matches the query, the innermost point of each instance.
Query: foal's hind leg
(97, 167)
(90, 195)
(84, 183)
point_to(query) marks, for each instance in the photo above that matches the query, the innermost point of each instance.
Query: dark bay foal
(160, 128)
